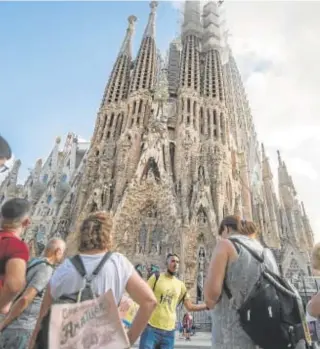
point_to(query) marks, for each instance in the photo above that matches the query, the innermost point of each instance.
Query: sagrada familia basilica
(174, 149)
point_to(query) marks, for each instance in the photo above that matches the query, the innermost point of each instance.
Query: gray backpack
(82, 295)
(86, 292)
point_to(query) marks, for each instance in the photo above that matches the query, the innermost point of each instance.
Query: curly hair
(248, 228)
(95, 232)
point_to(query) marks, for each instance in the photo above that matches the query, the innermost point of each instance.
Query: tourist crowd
(96, 298)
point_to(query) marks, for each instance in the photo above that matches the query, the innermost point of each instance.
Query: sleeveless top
(241, 276)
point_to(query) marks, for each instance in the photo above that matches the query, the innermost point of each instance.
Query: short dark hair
(15, 209)
(5, 150)
(169, 255)
(233, 222)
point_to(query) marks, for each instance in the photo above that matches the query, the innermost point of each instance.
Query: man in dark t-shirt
(14, 253)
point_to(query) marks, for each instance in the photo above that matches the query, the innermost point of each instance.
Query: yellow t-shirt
(169, 291)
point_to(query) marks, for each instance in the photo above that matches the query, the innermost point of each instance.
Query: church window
(201, 120)
(104, 122)
(45, 179)
(49, 199)
(121, 123)
(64, 178)
(188, 105)
(209, 122)
(172, 159)
(215, 117)
(140, 106)
(143, 235)
(194, 108)
(134, 107)
(164, 158)
(111, 120)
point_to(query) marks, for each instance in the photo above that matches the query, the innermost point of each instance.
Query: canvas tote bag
(92, 324)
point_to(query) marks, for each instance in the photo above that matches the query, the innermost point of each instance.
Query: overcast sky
(276, 45)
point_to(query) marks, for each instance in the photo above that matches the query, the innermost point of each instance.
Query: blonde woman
(117, 274)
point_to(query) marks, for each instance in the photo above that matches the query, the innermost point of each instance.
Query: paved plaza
(199, 340)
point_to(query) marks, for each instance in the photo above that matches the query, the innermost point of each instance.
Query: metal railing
(201, 319)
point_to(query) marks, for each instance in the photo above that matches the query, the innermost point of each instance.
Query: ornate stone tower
(174, 150)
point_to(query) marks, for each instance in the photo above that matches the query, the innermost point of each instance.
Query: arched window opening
(45, 179)
(140, 106)
(49, 199)
(111, 120)
(201, 121)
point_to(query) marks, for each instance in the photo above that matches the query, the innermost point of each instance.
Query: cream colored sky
(276, 45)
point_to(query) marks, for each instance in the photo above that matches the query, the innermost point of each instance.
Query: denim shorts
(14, 339)
(154, 338)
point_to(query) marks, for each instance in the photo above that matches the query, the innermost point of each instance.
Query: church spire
(191, 21)
(117, 87)
(150, 29)
(266, 169)
(126, 45)
(144, 72)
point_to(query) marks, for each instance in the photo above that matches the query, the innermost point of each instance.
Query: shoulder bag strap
(253, 253)
(101, 263)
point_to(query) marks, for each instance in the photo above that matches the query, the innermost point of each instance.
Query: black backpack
(82, 295)
(31, 265)
(273, 313)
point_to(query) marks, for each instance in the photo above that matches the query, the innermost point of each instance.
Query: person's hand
(124, 306)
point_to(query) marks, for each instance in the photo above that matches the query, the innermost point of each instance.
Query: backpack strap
(157, 276)
(182, 299)
(43, 261)
(78, 264)
(102, 263)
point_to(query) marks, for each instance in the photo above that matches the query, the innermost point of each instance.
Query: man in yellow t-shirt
(170, 292)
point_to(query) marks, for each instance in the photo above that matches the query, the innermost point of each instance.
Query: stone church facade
(174, 149)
